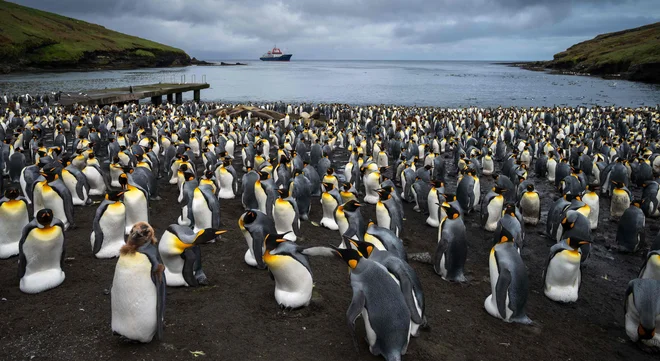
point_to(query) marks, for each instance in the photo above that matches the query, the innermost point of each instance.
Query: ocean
(423, 83)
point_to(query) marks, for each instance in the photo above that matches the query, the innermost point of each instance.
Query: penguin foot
(201, 279)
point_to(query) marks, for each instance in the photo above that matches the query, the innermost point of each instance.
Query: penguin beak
(120, 194)
(220, 232)
(583, 242)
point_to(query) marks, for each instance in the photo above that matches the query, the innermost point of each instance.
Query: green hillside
(35, 39)
(633, 53)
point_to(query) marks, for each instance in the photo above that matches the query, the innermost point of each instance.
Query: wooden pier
(174, 93)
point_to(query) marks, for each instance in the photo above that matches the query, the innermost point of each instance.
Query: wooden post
(170, 98)
(179, 98)
(196, 95)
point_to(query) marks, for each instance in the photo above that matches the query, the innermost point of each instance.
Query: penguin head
(11, 193)
(575, 242)
(263, 175)
(209, 174)
(505, 236)
(351, 256)
(645, 333)
(351, 206)
(452, 212)
(347, 186)
(437, 183)
(637, 203)
(530, 187)
(114, 196)
(45, 217)
(449, 197)
(50, 173)
(510, 209)
(207, 234)
(328, 186)
(283, 192)
(384, 193)
(272, 240)
(365, 248)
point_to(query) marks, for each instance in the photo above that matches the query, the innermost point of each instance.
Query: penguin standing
(388, 213)
(509, 282)
(451, 251)
(530, 205)
(205, 208)
(138, 288)
(109, 226)
(433, 203)
(286, 216)
(487, 164)
(465, 193)
(378, 298)
(330, 199)
(53, 194)
(255, 225)
(642, 311)
(136, 200)
(77, 184)
(350, 221)
(226, 180)
(95, 177)
(371, 182)
(492, 213)
(620, 200)
(41, 253)
(182, 256)
(591, 199)
(14, 215)
(630, 230)
(562, 275)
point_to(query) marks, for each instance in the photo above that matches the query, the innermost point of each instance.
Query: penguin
(590, 198)
(286, 216)
(350, 221)
(388, 213)
(53, 194)
(95, 177)
(109, 226)
(551, 168)
(226, 180)
(630, 230)
(77, 184)
(371, 182)
(136, 200)
(420, 190)
(300, 189)
(530, 205)
(562, 275)
(494, 204)
(378, 298)
(487, 164)
(642, 311)
(347, 193)
(385, 240)
(405, 275)
(186, 193)
(651, 266)
(433, 202)
(465, 193)
(137, 298)
(205, 208)
(509, 282)
(289, 267)
(14, 216)
(330, 200)
(255, 225)
(182, 256)
(248, 197)
(41, 253)
(451, 251)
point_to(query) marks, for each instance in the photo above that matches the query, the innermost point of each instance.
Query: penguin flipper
(22, 261)
(353, 312)
(406, 287)
(437, 256)
(158, 278)
(502, 290)
(98, 232)
(188, 272)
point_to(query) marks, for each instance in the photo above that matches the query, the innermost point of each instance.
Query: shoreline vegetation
(632, 54)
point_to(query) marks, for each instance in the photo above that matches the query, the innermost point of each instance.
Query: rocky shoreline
(646, 73)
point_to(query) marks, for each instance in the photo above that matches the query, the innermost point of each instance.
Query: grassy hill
(35, 39)
(633, 53)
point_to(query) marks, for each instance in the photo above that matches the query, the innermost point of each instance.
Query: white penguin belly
(619, 203)
(488, 167)
(371, 183)
(262, 198)
(593, 203)
(494, 213)
(530, 204)
(13, 217)
(95, 179)
(551, 170)
(24, 185)
(491, 301)
(113, 224)
(53, 201)
(201, 212)
(283, 216)
(383, 216)
(293, 282)
(371, 334)
(226, 181)
(477, 192)
(43, 254)
(137, 208)
(562, 277)
(432, 202)
(328, 203)
(71, 182)
(249, 257)
(114, 176)
(171, 256)
(134, 298)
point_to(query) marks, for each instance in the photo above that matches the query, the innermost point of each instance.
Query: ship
(275, 55)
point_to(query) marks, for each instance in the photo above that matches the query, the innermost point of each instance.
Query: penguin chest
(283, 215)
(620, 202)
(13, 217)
(591, 199)
(383, 215)
(134, 298)
(494, 212)
(342, 221)
(201, 211)
(476, 190)
(95, 179)
(137, 208)
(70, 181)
(329, 203)
(113, 222)
(260, 195)
(563, 275)
(226, 181)
(43, 250)
(290, 275)
(530, 204)
(652, 269)
(53, 201)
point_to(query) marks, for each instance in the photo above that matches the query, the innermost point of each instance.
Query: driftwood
(242, 110)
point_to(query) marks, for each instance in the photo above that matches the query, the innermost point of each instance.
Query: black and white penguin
(41, 253)
(433, 202)
(226, 180)
(350, 221)
(52, 193)
(562, 275)
(590, 198)
(642, 311)
(255, 225)
(136, 200)
(494, 204)
(205, 208)
(378, 299)
(330, 199)
(388, 213)
(651, 266)
(509, 282)
(182, 256)
(620, 200)
(286, 215)
(109, 226)
(14, 216)
(451, 250)
(139, 288)
(630, 230)
(530, 205)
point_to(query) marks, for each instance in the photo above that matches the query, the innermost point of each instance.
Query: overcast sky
(364, 29)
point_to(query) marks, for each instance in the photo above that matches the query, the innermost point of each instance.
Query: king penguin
(51, 193)
(530, 205)
(41, 253)
(109, 226)
(14, 215)
(642, 311)
(255, 225)
(286, 216)
(139, 288)
(451, 250)
(562, 275)
(330, 199)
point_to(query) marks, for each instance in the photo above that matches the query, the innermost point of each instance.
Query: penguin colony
(57, 160)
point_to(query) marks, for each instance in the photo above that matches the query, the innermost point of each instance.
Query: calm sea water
(437, 83)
